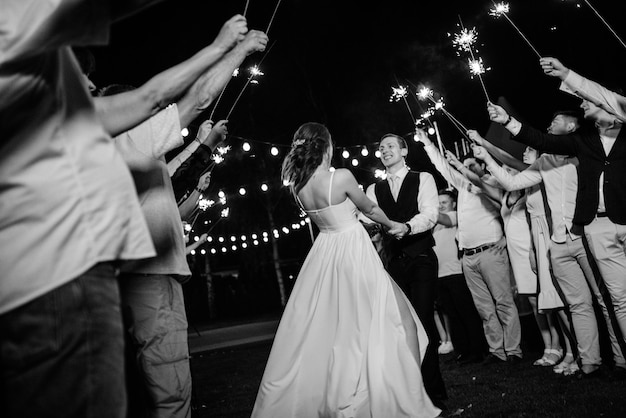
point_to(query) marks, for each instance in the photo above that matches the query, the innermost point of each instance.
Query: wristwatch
(409, 228)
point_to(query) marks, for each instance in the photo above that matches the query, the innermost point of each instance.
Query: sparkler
(245, 9)
(502, 9)
(401, 92)
(254, 72)
(464, 41)
(426, 93)
(605, 23)
(272, 19)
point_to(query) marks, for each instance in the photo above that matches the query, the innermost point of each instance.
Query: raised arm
(496, 152)
(124, 111)
(209, 86)
(453, 177)
(573, 83)
(553, 144)
(529, 177)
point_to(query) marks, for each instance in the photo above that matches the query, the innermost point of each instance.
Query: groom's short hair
(401, 142)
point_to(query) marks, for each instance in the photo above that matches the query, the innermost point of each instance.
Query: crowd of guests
(86, 189)
(549, 228)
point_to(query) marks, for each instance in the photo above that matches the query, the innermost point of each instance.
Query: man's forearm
(122, 112)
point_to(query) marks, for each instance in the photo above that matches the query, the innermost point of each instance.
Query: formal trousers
(574, 276)
(417, 277)
(488, 276)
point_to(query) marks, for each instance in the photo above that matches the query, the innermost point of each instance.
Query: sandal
(568, 363)
(542, 361)
(554, 356)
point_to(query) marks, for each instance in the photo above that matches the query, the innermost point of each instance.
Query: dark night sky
(334, 62)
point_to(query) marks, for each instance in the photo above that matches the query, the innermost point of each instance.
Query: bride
(349, 344)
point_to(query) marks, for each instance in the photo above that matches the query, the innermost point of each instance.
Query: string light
(246, 146)
(274, 151)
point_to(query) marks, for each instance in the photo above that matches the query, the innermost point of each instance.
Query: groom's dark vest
(401, 211)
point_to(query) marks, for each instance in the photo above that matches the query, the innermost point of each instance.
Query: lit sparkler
(477, 67)
(502, 9)
(398, 93)
(255, 71)
(465, 39)
(204, 204)
(499, 9)
(224, 213)
(424, 93)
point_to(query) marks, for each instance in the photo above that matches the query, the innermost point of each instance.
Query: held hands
(232, 32)
(553, 67)
(423, 137)
(397, 230)
(497, 113)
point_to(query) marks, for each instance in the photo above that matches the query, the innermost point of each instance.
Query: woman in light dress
(349, 344)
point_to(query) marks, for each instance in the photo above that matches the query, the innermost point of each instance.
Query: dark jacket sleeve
(187, 175)
(552, 144)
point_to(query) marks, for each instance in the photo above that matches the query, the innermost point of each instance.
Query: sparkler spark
(224, 213)
(255, 71)
(204, 204)
(398, 93)
(236, 72)
(424, 93)
(477, 67)
(464, 40)
(223, 150)
(499, 9)
(217, 159)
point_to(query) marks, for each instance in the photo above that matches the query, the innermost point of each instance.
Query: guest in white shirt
(485, 260)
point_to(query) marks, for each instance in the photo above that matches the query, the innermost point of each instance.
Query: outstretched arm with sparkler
(206, 89)
(554, 144)
(189, 206)
(573, 83)
(122, 112)
(206, 141)
(498, 153)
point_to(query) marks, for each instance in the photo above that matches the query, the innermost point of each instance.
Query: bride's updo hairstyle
(310, 143)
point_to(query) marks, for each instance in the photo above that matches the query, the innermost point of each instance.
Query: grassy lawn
(226, 381)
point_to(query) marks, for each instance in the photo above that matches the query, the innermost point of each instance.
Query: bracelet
(199, 190)
(409, 228)
(507, 121)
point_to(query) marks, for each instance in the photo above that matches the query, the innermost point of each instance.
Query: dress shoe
(491, 359)
(513, 359)
(468, 359)
(580, 375)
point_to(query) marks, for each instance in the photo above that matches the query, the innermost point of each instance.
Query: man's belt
(476, 250)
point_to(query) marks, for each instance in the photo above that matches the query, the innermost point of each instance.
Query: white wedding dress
(349, 344)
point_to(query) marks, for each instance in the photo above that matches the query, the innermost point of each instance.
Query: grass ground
(226, 382)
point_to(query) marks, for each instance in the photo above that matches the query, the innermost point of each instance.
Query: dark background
(335, 62)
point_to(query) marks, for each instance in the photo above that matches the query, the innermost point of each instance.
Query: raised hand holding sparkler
(502, 9)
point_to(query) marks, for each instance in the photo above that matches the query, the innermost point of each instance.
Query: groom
(411, 197)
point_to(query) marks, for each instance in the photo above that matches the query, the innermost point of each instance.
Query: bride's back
(315, 193)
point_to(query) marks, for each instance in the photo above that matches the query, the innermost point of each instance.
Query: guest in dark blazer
(601, 200)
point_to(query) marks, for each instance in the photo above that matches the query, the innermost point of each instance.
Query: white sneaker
(445, 348)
